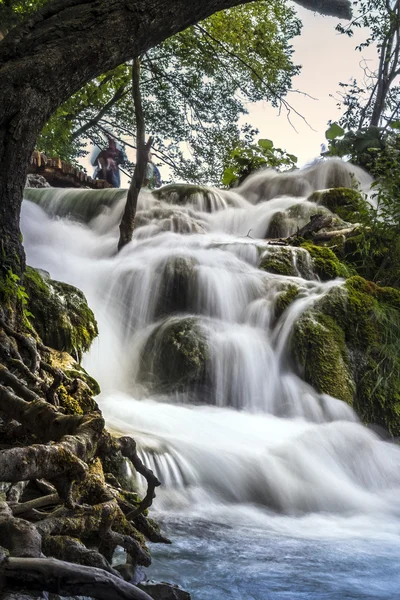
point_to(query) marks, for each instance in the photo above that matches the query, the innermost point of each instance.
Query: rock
(164, 591)
(347, 203)
(175, 355)
(36, 181)
(60, 314)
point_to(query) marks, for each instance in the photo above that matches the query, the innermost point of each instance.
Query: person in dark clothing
(108, 161)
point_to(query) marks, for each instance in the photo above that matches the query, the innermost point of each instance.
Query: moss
(347, 203)
(325, 262)
(285, 299)
(68, 403)
(73, 370)
(175, 356)
(60, 314)
(369, 317)
(321, 355)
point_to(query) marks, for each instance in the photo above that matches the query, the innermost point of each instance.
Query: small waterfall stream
(270, 490)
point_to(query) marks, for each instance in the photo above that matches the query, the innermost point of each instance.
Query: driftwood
(312, 230)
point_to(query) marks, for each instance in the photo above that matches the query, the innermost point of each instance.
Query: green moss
(285, 299)
(369, 317)
(347, 203)
(60, 314)
(320, 351)
(68, 403)
(326, 263)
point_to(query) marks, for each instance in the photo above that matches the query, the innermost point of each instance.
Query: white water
(256, 466)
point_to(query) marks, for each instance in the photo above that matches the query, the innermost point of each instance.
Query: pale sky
(326, 58)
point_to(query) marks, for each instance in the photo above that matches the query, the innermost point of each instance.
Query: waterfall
(193, 357)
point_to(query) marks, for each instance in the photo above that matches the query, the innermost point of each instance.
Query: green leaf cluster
(248, 158)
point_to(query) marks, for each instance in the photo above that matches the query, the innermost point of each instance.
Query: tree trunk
(55, 52)
(142, 156)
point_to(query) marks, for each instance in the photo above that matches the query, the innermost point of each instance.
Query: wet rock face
(164, 591)
(177, 280)
(60, 314)
(36, 181)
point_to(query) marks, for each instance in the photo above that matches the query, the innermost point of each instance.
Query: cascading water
(270, 490)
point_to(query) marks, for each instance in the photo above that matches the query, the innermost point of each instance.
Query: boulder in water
(175, 355)
(61, 315)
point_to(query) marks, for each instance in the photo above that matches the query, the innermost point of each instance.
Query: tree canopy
(195, 87)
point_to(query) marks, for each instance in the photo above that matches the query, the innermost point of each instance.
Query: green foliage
(375, 249)
(248, 158)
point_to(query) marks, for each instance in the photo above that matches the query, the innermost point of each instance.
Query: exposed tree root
(56, 497)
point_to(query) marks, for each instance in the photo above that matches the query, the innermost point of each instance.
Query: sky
(326, 58)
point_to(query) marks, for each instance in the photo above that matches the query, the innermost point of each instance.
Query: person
(152, 176)
(108, 161)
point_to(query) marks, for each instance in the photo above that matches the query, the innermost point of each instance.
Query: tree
(376, 100)
(56, 51)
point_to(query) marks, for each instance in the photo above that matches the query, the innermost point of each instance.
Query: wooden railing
(58, 173)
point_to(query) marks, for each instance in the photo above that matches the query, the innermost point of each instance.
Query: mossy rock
(366, 319)
(325, 262)
(322, 357)
(285, 299)
(175, 355)
(347, 203)
(60, 314)
(286, 260)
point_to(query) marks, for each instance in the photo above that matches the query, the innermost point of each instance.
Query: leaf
(228, 177)
(266, 144)
(395, 125)
(334, 132)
